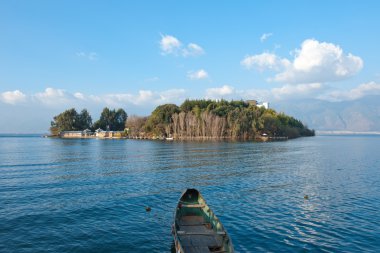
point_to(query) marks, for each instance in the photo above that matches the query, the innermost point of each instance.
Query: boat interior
(198, 230)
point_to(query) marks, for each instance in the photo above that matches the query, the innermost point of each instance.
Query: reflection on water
(90, 195)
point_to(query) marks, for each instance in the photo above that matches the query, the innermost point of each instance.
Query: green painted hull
(196, 229)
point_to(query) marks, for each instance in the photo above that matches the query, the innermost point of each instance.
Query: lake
(89, 195)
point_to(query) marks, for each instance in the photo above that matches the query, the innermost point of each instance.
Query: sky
(135, 55)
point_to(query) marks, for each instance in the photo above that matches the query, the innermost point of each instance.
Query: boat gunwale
(226, 238)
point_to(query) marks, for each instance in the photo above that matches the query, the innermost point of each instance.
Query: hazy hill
(358, 115)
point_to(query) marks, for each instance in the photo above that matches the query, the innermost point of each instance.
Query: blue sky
(55, 55)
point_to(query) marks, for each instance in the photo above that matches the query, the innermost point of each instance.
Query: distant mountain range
(362, 115)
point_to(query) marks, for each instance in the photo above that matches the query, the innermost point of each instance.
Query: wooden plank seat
(198, 224)
(191, 205)
(194, 205)
(197, 236)
(195, 226)
(210, 233)
(210, 241)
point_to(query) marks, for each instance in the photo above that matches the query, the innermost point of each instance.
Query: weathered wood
(196, 249)
(201, 241)
(193, 206)
(196, 233)
(196, 229)
(198, 224)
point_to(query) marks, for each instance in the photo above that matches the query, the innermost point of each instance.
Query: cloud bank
(299, 91)
(220, 92)
(36, 110)
(365, 89)
(12, 97)
(59, 98)
(52, 97)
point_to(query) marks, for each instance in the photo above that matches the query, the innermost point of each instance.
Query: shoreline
(256, 138)
(347, 132)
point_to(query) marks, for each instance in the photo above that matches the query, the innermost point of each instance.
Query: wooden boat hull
(196, 229)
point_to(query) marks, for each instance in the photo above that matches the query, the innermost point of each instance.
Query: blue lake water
(90, 195)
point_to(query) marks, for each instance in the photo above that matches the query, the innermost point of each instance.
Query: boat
(196, 229)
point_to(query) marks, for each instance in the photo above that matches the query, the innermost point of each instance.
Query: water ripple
(90, 195)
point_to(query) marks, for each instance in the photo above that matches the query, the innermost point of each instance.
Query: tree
(105, 119)
(193, 119)
(111, 120)
(65, 121)
(271, 123)
(70, 120)
(221, 119)
(54, 131)
(160, 118)
(84, 120)
(120, 120)
(135, 125)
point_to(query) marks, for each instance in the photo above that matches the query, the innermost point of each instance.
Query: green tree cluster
(71, 120)
(222, 119)
(160, 118)
(113, 120)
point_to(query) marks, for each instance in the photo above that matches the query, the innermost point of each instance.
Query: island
(192, 120)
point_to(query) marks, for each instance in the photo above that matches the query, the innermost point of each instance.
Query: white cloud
(230, 92)
(362, 90)
(79, 95)
(197, 75)
(315, 62)
(192, 50)
(144, 97)
(171, 95)
(12, 97)
(256, 94)
(220, 92)
(311, 90)
(320, 62)
(124, 98)
(265, 36)
(265, 61)
(297, 91)
(59, 98)
(171, 45)
(53, 97)
(281, 93)
(91, 56)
